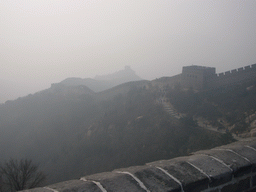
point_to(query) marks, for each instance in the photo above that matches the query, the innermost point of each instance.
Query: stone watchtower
(196, 76)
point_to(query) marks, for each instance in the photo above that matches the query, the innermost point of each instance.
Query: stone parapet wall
(239, 70)
(199, 77)
(229, 168)
(234, 76)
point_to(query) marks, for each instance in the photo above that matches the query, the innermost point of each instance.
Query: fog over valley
(93, 86)
(45, 42)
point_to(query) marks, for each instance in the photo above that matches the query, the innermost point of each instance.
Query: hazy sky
(46, 41)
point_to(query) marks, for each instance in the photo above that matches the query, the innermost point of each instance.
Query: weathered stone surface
(214, 190)
(251, 144)
(40, 189)
(253, 132)
(238, 164)
(251, 141)
(75, 186)
(253, 189)
(218, 172)
(254, 180)
(116, 182)
(210, 168)
(237, 187)
(191, 178)
(247, 153)
(153, 178)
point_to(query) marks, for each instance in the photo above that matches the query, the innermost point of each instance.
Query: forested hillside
(72, 131)
(231, 107)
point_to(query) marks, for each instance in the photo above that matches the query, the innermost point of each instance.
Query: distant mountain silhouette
(123, 76)
(69, 91)
(12, 90)
(104, 82)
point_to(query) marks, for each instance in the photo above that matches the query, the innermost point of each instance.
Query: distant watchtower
(196, 76)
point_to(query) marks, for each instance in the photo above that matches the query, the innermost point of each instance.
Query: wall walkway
(229, 168)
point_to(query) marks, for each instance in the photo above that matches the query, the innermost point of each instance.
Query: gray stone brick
(237, 187)
(244, 151)
(39, 189)
(75, 186)
(116, 182)
(218, 172)
(209, 168)
(215, 190)
(238, 164)
(153, 178)
(191, 179)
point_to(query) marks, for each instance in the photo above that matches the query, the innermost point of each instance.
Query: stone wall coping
(201, 171)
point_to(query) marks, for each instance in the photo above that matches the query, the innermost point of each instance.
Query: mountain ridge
(12, 91)
(104, 82)
(73, 131)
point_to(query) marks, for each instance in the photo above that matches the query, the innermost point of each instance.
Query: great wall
(239, 75)
(229, 168)
(201, 78)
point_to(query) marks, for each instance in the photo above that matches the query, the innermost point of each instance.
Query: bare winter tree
(18, 175)
(1, 184)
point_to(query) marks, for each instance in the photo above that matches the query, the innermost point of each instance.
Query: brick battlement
(200, 77)
(240, 75)
(245, 69)
(228, 168)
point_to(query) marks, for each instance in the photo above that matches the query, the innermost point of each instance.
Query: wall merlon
(227, 73)
(247, 67)
(221, 74)
(234, 71)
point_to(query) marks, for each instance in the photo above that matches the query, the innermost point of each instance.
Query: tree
(19, 175)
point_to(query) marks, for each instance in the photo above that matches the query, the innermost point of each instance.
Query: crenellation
(234, 71)
(227, 73)
(247, 67)
(206, 78)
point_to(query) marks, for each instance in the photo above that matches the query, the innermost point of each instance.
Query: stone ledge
(237, 164)
(222, 168)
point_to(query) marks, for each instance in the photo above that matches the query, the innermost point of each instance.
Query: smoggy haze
(44, 42)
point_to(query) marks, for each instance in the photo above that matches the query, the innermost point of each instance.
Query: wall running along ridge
(202, 78)
(234, 76)
(229, 168)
